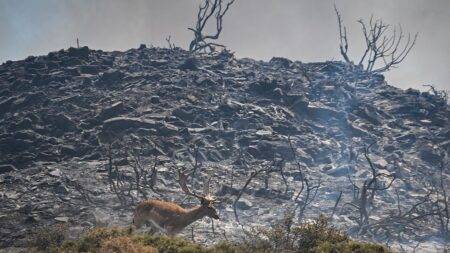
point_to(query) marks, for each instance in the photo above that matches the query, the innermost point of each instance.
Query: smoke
(298, 29)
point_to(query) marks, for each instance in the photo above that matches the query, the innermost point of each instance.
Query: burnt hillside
(76, 124)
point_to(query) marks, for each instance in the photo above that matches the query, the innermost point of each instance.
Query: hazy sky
(304, 30)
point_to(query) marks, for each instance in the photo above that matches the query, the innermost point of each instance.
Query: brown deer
(169, 217)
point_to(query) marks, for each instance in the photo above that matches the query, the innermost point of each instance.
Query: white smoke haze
(302, 30)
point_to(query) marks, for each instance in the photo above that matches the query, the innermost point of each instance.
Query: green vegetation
(314, 237)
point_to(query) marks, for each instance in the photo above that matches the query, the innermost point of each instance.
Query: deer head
(206, 199)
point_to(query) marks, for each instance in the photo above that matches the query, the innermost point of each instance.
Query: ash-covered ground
(86, 134)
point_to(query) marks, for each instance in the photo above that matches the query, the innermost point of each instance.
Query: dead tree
(365, 193)
(311, 189)
(125, 154)
(170, 43)
(145, 179)
(441, 95)
(207, 10)
(262, 169)
(385, 44)
(442, 199)
(404, 220)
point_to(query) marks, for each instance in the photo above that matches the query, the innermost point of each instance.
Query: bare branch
(384, 44)
(343, 42)
(206, 10)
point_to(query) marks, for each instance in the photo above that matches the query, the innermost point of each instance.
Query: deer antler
(206, 185)
(182, 181)
(206, 196)
(206, 190)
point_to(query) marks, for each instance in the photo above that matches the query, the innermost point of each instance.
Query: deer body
(169, 217)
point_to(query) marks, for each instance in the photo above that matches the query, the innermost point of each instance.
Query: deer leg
(157, 228)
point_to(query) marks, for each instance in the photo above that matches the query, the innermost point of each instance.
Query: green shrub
(284, 236)
(350, 247)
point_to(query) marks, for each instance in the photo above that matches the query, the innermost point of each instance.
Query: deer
(169, 217)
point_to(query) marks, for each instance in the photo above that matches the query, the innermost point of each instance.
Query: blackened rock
(267, 149)
(264, 86)
(298, 102)
(61, 122)
(82, 52)
(119, 124)
(5, 168)
(184, 113)
(226, 189)
(331, 69)
(154, 77)
(262, 192)
(112, 111)
(111, 77)
(205, 81)
(59, 188)
(190, 64)
(11, 145)
(6, 104)
(158, 63)
(68, 151)
(324, 112)
(244, 204)
(90, 69)
(30, 99)
(166, 129)
(341, 171)
(428, 155)
(155, 100)
(412, 91)
(280, 61)
(278, 92)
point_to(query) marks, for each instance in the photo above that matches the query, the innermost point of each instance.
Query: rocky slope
(64, 115)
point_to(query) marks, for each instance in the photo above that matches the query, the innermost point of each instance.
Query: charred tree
(209, 9)
(386, 46)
